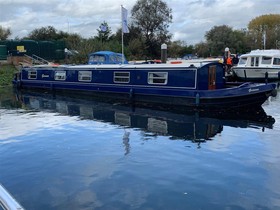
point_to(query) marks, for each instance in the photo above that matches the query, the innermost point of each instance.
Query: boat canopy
(106, 57)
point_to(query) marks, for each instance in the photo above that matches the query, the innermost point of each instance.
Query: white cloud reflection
(16, 123)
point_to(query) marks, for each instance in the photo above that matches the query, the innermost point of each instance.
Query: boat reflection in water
(197, 126)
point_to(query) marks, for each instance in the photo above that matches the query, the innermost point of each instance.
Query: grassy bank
(6, 74)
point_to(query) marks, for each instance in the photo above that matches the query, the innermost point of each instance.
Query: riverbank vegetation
(6, 74)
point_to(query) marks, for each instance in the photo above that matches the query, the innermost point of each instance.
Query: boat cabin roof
(271, 53)
(126, 66)
(260, 58)
(141, 66)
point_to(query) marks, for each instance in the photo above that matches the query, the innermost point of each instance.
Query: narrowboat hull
(154, 84)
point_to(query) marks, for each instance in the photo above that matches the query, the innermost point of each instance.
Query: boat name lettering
(45, 75)
(253, 90)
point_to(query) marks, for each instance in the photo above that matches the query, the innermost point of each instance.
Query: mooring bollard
(163, 53)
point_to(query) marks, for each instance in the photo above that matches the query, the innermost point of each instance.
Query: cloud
(191, 18)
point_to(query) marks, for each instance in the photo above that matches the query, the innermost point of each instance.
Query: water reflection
(197, 126)
(78, 162)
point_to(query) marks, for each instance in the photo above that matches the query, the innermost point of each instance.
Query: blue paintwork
(186, 85)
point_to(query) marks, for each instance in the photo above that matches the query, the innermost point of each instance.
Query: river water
(64, 153)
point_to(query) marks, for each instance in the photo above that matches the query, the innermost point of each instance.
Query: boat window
(113, 59)
(32, 74)
(60, 75)
(266, 60)
(242, 60)
(121, 77)
(257, 61)
(276, 61)
(97, 59)
(85, 76)
(119, 58)
(157, 78)
(252, 61)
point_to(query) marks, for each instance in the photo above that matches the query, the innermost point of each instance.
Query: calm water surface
(61, 153)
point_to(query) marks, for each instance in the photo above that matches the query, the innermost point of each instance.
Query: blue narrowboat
(187, 84)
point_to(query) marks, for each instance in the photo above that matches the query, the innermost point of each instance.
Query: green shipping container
(3, 52)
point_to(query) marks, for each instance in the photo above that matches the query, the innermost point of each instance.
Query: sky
(191, 18)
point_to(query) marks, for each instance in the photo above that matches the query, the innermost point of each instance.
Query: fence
(49, 50)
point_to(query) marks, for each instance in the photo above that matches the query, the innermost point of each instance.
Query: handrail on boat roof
(7, 201)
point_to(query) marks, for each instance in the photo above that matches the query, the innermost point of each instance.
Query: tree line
(148, 29)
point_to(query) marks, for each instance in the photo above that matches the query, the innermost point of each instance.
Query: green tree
(202, 49)
(73, 41)
(134, 33)
(84, 47)
(4, 33)
(152, 17)
(218, 38)
(133, 42)
(268, 25)
(133, 51)
(46, 33)
(239, 44)
(178, 49)
(104, 32)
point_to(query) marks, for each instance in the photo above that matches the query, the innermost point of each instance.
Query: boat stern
(273, 92)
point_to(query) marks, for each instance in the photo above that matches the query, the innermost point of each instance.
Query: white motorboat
(258, 65)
